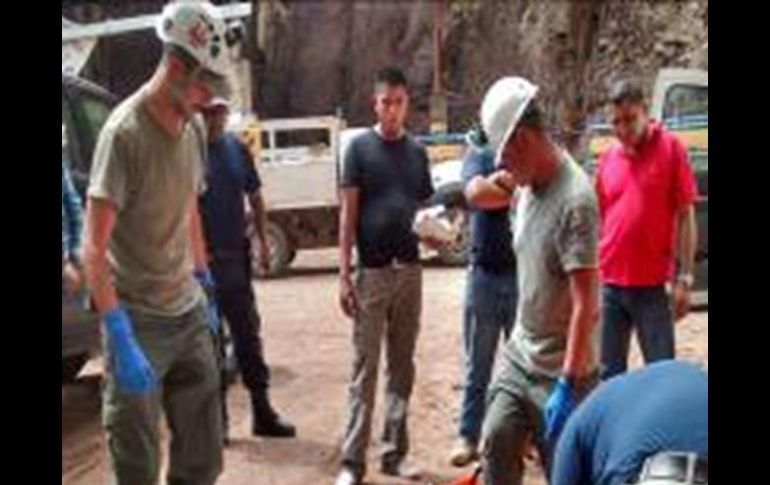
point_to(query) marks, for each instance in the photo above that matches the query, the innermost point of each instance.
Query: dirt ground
(308, 348)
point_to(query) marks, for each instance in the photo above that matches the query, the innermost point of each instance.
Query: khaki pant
(181, 352)
(514, 414)
(390, 301)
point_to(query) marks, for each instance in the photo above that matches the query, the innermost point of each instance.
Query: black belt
(494, 268)
(685, 468)
(393, 263)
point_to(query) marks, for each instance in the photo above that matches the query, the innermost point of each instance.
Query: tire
(281, 251)
(456, 254)
(71, 367)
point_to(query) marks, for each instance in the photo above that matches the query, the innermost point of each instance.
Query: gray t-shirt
(555, 233)
(153, 179)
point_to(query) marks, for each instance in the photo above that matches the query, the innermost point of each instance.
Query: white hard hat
(502, 108)
(197, 27)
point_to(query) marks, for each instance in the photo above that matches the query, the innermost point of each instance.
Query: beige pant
(390, 301)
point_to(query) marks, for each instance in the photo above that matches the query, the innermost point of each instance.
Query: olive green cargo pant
(181, 352)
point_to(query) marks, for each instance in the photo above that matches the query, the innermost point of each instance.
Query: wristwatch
(687, 279)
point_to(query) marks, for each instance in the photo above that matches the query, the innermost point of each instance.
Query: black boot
(266, 422)
(225, 417)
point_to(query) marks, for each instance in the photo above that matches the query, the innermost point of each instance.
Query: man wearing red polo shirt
(646, 193)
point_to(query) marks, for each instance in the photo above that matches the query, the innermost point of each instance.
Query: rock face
(323, 55)
(318, 56)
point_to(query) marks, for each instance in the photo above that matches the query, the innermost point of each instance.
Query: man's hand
(348, 300)
(132, 370)
(207, 283)
(681, 300)
(73, 278)
(559, 406)
(264, 258)
(503, 179)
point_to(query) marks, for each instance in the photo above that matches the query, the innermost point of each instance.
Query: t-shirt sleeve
(110, 171)
(577, 234)
(351, 168)
(471, 166)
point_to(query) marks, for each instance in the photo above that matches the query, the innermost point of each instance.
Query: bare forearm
(581, 324)
(688, 240)
(197, 240)
(99, 278)
(260, 216)
(348, 220)
(582, 320)
(346, 247)
(100, 220)
(483, 193)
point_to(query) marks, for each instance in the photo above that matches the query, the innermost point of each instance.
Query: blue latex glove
(559, 406)
(207, 282)
(133, 372)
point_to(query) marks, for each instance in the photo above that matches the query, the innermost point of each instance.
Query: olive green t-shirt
(153, 179)
(555, 234)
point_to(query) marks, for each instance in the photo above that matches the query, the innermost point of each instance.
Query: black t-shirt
(393, 179)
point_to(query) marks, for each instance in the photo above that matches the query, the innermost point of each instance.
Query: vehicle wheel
(281, 251)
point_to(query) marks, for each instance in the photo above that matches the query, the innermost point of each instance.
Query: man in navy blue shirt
(230, 174)
(639, 417)
(491, 293)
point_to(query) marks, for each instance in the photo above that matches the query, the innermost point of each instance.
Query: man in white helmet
(143, 250)
(548, 361)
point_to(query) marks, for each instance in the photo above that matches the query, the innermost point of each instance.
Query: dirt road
(308, 347)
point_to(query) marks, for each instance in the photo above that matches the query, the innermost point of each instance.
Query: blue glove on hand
(559, 406)
(133, 372)
(207, 282)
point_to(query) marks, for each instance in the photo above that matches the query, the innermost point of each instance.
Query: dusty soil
(308, 347)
